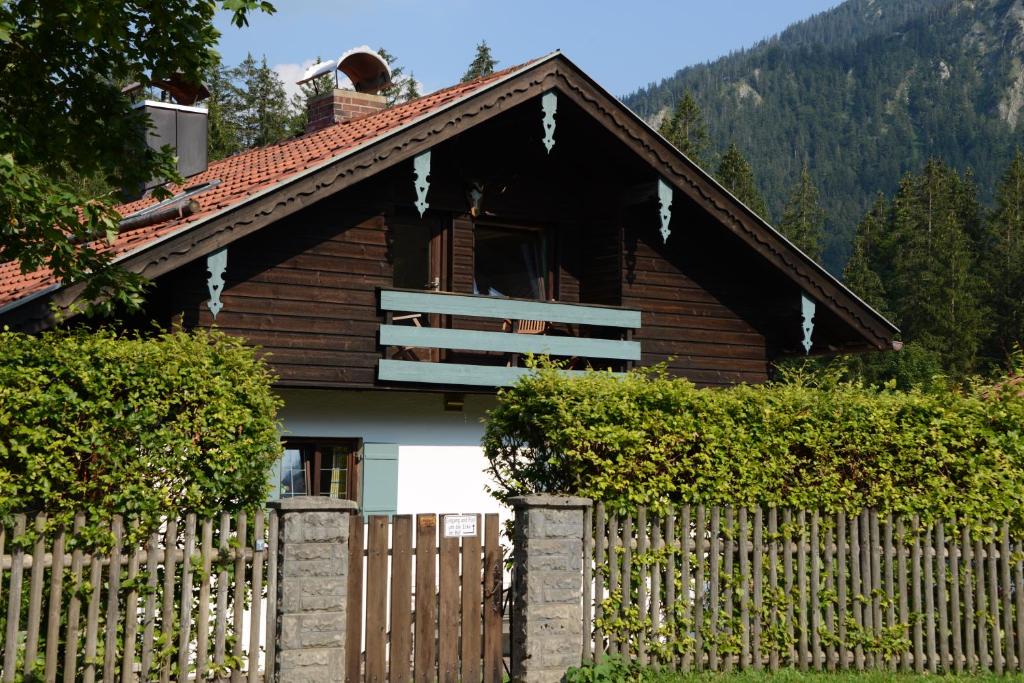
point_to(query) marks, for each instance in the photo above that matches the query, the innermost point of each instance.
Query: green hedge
(146, 427)
(652, 440)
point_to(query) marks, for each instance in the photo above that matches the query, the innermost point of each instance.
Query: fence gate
(424, 599)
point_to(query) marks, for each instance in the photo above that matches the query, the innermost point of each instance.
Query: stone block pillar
(547, 613)
(311, 583)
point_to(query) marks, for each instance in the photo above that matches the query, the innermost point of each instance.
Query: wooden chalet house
(398, 264)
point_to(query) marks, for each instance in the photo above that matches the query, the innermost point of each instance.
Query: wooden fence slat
(223, 586)
(92, 619)
(35, 592)
(426, 599)
(1006, 588)
(684, 573)
(448, 609)
(472, 586)
(627, 576)
(728, 585)
(377, 598)
(856, 588)
(3, 543)
(758, 576)
(1018, 575)
(54, 606)
(614, 568)
(656, 569)
(493, 669)
(14, 600)
(241, 538)
(915, 596)
(876, 583)
(901, 580)
(71, 639)
(642, 578)
(801, 588)
(587, 653)
(670, 584)
(993, 607)
(600, 557)
(830, 589)
(954, 613)
(714, 558)
(816, 654)
(698, 590)
(940, 594)
(270, 666)
(967, 566)
(773, 581)
(203, 617)
(787, 571)
(113, 601)
(744, 592)
(354, 614)
(167, 608)
(929, 605)
(400, 652)
(890, 588)
(981, 605)
(256, 602)
(131, 610)
(841, 578)
(185, 636)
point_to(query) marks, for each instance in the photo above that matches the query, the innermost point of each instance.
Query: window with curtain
(509, 262)
(319, 468)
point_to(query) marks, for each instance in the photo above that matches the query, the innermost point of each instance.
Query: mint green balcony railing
(406, 337)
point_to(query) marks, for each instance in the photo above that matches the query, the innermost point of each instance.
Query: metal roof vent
(366, 69)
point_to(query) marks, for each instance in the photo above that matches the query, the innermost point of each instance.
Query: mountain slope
(863, 93)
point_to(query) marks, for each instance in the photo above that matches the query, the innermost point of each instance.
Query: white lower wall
(440, 462)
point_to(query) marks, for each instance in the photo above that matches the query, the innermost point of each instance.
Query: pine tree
(863, 270)
(411, 89)
(263, 112)
(402, 87)
(803, 220)
(483, 63)
(1004, 260)
(736, 175)
(222, 113)
(686, 129)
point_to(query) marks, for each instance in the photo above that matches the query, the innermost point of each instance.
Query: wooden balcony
(418, 352)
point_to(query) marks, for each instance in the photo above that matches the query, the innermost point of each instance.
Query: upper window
(319, 468)
(509, 262)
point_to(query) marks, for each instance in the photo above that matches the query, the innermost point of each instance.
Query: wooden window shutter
(380, 478)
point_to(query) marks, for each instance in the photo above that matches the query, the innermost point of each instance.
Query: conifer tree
(736, 175)
(222, 113)
(402, 86)
(483, 63)
(1004, 260)
(863, 270)
(263, 114)
(803, 220)
(686, 129)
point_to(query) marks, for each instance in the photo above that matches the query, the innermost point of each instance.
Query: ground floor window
(319, 467)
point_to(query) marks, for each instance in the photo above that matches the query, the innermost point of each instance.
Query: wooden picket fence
(432, 610)
(719, 588)
(177, 606)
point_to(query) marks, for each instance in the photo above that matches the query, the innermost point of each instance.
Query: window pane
(334, 471)
(410, 253)
(293, 473)
(508, 263)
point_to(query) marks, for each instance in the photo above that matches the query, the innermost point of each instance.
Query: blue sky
(622, 45)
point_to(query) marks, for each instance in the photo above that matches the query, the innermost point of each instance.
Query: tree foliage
(736, 175)
(686, 129)
(809, 443)
(145, 427)
(483, 63)
(65, 118)
(803, 220)
(263, 114)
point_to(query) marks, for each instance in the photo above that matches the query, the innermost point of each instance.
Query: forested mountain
(860, 95)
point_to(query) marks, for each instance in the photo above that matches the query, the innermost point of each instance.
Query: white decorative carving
(665, 204)
(216, 263)
(421, 167)
(807, 310)
(549, 103)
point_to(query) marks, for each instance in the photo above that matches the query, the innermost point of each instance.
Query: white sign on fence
(459, 526)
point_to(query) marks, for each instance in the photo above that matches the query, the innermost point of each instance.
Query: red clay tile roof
(245, 174)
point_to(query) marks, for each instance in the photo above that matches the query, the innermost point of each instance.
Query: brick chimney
(341, 105)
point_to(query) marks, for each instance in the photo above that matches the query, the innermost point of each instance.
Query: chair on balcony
(407, 352)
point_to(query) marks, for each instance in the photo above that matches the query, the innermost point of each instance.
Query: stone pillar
(547, 613)
(311, 583)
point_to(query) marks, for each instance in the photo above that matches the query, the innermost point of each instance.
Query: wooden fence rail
(139, 611)
(710, 588)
